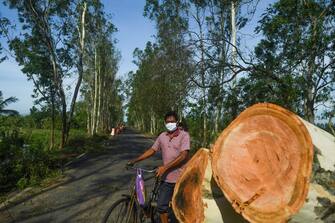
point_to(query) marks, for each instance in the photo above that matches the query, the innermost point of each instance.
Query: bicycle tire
(112, 215)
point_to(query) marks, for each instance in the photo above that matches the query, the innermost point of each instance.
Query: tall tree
(57, 35)
(100, 90)
(164, 67)
(290, 28)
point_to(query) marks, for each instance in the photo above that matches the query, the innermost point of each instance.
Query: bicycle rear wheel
(122, 212)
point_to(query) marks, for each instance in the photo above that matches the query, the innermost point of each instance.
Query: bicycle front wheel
(122, 211)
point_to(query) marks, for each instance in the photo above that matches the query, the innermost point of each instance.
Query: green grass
(42, 136)
(31, 162)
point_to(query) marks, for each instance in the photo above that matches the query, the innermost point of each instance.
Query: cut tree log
(188, 190)
(320, 203)
(262, 162)
(324, 143)
(197, 198)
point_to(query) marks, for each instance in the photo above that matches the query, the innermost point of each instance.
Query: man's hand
(160, 171)
(130, 163)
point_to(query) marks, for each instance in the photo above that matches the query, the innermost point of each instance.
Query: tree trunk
(90, 110)
(88, 124)
(80, 68)
(320, 202)
(52, 136)
(233, 37)
(204, 141)
(99, 99)
(99, 103)
(151, 124)
(263, 163)
(64, 117)
(155, 125)
(58, 82)
(191, 190)
(217, 118)
(94, 116)
(309, 97)
(197, 198)
(42, 22)
(203, 78)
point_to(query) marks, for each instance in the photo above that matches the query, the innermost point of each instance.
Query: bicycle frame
(148, 209)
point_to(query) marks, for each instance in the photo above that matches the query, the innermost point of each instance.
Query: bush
(25, 156)
(21, 164)
(82, 143)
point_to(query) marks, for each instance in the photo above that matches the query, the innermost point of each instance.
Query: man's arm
(183, 156)
(148, 153)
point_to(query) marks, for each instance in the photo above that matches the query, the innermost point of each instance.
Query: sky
(134, 30)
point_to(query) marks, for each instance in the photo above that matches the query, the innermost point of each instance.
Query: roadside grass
(42, 136)
(32, 163)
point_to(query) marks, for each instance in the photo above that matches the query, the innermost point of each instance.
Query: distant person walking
(174, 145)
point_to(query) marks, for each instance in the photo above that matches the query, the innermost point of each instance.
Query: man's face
(170, 119)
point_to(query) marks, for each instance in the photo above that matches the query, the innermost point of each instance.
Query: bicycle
(128, 209)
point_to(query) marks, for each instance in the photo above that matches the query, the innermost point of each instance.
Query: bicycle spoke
(121, 212)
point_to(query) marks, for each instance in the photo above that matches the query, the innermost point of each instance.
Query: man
(174, 145)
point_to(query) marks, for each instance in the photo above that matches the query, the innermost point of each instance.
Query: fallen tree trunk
(263, 164)
(320, 203)
(197, 198)
(188, 190)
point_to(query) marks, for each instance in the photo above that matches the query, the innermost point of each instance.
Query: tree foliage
(58, 42)
(292, 65)
(4, 102)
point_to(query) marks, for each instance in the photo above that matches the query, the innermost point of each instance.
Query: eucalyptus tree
(34, 57)
(149, 95)
(297, 53)
(101, 89)
(56, 34)
(163, 67)
(211, 37)
(193, 48)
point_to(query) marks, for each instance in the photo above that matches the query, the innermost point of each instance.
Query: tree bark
(189, 190)
(203, 78)
(88, 124)
(52, 136)
(197, 198)
(91, 111)
(98, 128)
(320, 202)
(309, 97)
(94, 116)
(80, 68)
(233, 36)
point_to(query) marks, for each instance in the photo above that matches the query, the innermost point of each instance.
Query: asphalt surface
(91, 185)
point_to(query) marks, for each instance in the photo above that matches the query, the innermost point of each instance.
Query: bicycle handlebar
(144, 170)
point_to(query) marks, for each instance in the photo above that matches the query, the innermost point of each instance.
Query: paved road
(92, 184)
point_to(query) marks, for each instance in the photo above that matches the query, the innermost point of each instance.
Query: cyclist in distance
(174, 145)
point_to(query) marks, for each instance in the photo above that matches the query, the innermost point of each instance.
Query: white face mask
(171, 126)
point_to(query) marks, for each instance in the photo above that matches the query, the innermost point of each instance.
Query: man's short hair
(171, 113)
